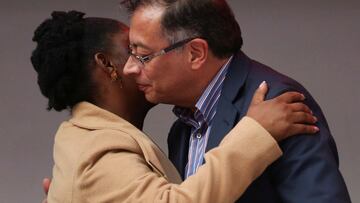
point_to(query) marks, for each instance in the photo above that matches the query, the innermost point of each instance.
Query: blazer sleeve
(309, 169)
(121, 174)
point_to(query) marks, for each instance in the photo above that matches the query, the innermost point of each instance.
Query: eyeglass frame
(149, 57)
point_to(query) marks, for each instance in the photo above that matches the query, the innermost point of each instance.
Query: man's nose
(131, 67)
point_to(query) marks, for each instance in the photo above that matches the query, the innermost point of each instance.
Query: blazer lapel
(178, 145)
(223, 122)
(227, 113)
(158, 160)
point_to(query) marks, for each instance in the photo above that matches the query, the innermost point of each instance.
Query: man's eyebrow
(141, 45)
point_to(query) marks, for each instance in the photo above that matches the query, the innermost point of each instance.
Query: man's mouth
(143, 87)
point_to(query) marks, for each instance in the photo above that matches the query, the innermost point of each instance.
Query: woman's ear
(199, 50)
(102, 61)
(106, 65)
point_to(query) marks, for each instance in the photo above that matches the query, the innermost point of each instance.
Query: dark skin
(289, 115)
(121, 97)
(111, 93)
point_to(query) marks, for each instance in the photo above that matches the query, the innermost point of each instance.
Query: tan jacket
(99, 157)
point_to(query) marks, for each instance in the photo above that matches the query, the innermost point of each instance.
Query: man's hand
(282, 116)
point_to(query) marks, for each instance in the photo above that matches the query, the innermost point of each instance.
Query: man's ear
(198, 54)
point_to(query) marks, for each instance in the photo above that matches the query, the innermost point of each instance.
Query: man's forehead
(147, 14)
(150, 12)
(145, 26)
(139, 38)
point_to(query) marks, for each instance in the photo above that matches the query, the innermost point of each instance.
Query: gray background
(316, 42)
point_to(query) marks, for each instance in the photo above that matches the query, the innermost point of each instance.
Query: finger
(46, 185)
(260, 93)
(291, 97)
(296, 129)
(300, 107)
(302, 117)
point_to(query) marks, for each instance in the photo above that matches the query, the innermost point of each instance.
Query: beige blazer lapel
(157, 159)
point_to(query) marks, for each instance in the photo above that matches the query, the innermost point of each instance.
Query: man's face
(163, 79)
(128, 86)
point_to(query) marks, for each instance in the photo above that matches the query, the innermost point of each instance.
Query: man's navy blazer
(308, 171)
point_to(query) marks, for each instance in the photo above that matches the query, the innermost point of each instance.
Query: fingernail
(315, 119)
(303, 96)
(262, 83)
(316, 129)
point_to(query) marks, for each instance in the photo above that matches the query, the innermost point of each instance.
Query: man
(187, 53)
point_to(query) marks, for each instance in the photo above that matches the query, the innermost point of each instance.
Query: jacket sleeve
(119, 174)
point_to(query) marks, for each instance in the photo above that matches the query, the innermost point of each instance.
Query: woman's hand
(282, 116)
(46, 185)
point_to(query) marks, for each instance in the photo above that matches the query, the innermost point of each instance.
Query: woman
(101, 155)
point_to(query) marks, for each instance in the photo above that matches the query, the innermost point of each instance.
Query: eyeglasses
(147, 58)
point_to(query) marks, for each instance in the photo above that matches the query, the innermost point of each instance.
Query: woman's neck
(133, 114)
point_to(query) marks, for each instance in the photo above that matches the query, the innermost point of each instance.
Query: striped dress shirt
(200, 120)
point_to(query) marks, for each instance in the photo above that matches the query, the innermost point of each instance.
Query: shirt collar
(207, 101)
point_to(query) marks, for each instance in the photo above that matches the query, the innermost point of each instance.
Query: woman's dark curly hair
(63, 57)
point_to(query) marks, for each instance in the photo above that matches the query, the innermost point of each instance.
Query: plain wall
(316, 42)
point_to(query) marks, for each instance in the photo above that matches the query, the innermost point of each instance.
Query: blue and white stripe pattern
(200, 120)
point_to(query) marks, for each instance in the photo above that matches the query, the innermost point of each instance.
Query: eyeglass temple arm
(177, 44)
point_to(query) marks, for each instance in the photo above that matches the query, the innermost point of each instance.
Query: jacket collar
(88, 116)
(236, 76)
(227, 112)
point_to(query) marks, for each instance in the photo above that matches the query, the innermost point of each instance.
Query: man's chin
(157, 99)
(151, 99)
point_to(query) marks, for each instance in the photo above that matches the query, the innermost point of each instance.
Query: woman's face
(119, 56)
